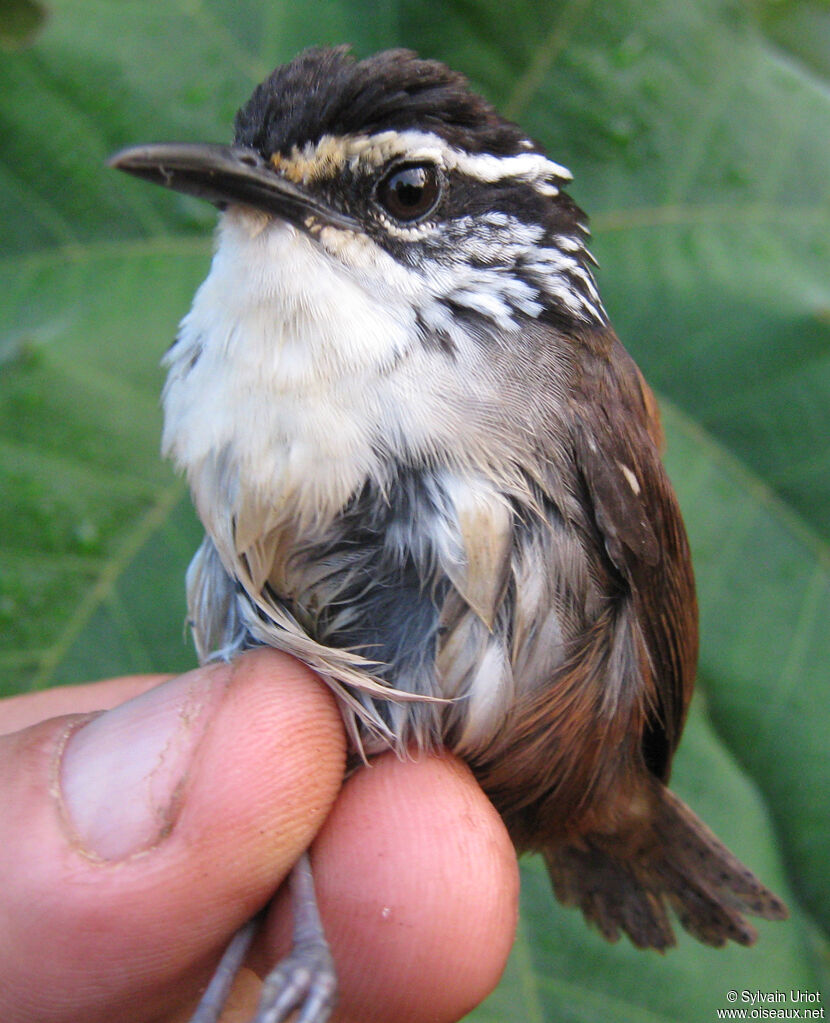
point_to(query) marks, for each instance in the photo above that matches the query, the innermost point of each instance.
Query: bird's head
(413, 187)
(398, 277)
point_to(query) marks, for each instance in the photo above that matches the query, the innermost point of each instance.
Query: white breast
(276, 368)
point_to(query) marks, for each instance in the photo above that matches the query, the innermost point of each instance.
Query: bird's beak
(225, 175)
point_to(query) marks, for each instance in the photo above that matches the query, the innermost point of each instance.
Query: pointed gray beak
(225, 175)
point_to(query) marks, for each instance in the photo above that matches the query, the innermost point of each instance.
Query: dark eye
(409, 192)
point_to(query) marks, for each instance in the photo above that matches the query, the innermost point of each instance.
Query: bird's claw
(305, 982)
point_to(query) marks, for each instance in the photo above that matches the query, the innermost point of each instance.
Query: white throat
(275, 371)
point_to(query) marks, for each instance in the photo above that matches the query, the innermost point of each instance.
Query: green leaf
(699, 136)
(20, 22)
(801, 28)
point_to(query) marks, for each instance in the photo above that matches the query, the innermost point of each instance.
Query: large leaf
(699, 134)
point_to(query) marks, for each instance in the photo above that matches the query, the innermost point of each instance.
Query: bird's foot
(304, 982)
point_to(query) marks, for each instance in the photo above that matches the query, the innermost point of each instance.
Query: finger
(418, 886)
(130, 857)
(26, 709)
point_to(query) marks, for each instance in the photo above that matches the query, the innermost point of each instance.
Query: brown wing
(616, 441)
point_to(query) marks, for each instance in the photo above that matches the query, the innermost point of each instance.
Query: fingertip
(266, 765)
(418, 880)
(266, 776)
(277, 715)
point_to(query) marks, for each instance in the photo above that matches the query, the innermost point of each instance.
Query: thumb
(132, 844)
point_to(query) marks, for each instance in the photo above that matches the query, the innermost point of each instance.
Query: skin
(133, 844)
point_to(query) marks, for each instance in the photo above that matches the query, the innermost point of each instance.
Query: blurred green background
(699, 136)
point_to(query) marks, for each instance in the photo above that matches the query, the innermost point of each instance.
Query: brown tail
(675, 861)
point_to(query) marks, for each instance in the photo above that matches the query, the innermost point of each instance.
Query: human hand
(133, 844)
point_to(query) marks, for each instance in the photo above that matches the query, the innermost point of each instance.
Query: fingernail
(122, 774)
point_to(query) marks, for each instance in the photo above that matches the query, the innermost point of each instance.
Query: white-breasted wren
(427, 467)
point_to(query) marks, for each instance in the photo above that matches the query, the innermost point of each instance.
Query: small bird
(427, 467)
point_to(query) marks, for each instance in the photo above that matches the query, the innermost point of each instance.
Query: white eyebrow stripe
(527, 166)
(329, 152)
(482, 166)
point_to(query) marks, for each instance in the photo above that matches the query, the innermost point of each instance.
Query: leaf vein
(107, 580)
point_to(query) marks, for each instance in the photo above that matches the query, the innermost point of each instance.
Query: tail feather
(626, 881)
(610, 895)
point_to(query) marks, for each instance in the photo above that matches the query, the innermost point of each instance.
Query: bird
(427, 467)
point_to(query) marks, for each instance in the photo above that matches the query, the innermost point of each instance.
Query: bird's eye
(410, 191)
